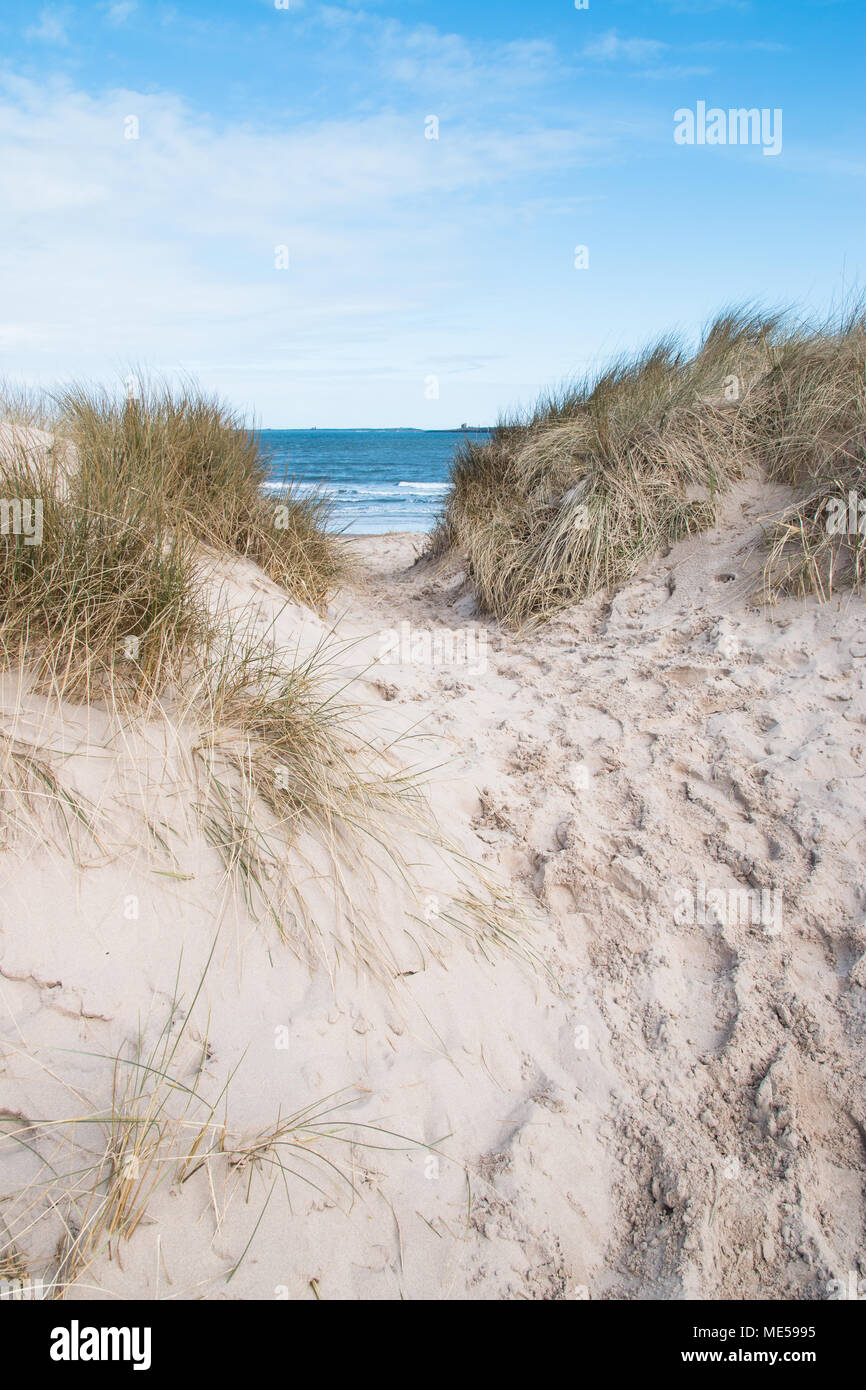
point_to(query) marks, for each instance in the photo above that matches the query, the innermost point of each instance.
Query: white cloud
(424, 59)
(160, 250)
(52, 26)
(121, 11)
(610, 46)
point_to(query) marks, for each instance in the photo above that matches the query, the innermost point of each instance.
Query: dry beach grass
(576, 495)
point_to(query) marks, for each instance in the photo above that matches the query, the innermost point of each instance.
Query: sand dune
(668, 1103)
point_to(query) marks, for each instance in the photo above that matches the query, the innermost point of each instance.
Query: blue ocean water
(379, 480)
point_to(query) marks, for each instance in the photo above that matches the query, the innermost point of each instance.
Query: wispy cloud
(739, 46)
(450, 66)
(610, 47)
(170, 238)
(122, 10)
(52, 26)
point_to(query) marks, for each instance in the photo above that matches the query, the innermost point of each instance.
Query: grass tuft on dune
(110, 596)
(200, 467)
(107, 599)
(572, 497)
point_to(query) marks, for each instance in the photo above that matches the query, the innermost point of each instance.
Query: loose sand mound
(671, 780)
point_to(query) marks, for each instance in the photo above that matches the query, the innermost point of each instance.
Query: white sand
(675, 1111)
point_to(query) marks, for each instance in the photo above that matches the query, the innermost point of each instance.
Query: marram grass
(111, 598)
(576, 495)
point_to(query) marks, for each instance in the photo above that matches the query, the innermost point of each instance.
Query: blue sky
(429, 281)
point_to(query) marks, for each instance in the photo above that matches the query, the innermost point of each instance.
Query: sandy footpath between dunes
(636, 764)
(673, 782)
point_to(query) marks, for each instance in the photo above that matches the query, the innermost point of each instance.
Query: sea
(377, 480)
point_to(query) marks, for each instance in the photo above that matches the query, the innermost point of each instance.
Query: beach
(652, 1089)
(432, 674)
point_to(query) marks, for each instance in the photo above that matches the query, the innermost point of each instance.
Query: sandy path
(631, 763)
